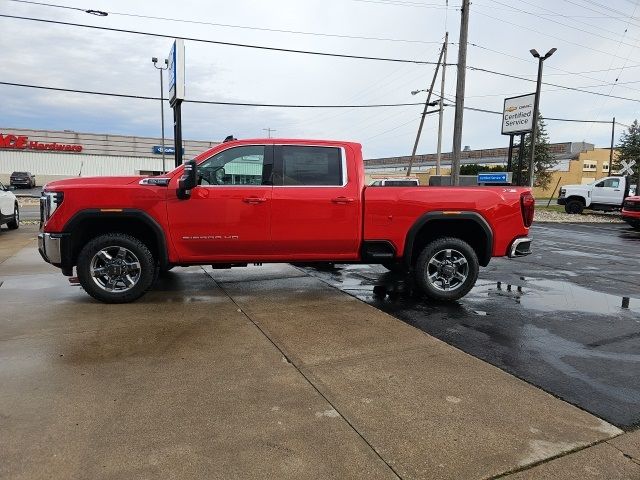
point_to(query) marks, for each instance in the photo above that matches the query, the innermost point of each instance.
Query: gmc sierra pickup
(275, 200)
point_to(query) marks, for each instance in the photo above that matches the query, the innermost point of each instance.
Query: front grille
(632, 206)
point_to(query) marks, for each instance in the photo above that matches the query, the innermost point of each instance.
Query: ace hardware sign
(22, 142)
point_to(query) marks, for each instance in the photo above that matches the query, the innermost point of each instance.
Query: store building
(53, 155)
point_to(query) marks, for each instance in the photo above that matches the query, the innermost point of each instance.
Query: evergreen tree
(543, 162)
(628, 149)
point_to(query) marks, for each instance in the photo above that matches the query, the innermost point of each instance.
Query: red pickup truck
(631, 211)
(275, 200)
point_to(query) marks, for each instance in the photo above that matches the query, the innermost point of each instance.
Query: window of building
(589, 166)
(605, 167)
(321, 166)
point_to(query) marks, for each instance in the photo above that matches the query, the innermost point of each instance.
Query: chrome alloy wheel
(115, 269)
(447, 270)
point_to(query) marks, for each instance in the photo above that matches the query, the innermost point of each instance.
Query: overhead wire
(218, 42)
(245, 27)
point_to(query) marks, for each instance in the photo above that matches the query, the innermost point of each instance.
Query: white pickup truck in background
(605, 194)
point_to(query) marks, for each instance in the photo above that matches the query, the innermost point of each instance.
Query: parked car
(606, 194)
(396, 182)
(9, 210)
(270, 200)
(631, 211)
(23, 179)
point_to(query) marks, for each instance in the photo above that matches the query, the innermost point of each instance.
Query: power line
(275, 105)
(260, 47)
(206, 102)
(217, 42)
(245, 27)
(508, 75)
(609, 54)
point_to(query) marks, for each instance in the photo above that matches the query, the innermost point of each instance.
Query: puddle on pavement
(553, 296)
(530, 293)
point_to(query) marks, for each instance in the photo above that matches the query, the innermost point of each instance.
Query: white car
(605, 194)
(9, 211)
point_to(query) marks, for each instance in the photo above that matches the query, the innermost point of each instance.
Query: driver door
(228, 217)
(607, 191)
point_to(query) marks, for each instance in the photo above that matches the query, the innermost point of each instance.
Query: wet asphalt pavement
(566, 318)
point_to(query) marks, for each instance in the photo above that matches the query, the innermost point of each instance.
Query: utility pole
(613, 132)
(424, 112)
(161, 69)
(462, 70)
(536, 111)
(269, 130)
(441, 112)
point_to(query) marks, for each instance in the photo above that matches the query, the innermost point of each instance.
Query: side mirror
(188, 181)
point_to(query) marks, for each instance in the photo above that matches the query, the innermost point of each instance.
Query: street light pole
(536, 107)
(166, 62)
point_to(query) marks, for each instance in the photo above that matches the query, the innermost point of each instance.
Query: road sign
(176, 71)
(627, 168)
(517, 114)
(157, 149)
(494, 177)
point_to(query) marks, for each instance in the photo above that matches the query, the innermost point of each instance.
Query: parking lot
(284, 372)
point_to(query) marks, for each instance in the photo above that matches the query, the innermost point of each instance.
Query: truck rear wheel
(574, 207)
(116, 268)
(446, 269)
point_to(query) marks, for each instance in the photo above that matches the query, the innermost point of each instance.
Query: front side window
(235, 166)
(320, 166)
(612, 182)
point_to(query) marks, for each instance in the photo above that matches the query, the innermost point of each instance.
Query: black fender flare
(125, 213)
(428, 217)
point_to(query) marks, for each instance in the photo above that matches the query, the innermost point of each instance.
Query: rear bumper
(521, 247)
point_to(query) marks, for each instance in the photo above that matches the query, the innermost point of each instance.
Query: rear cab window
(302, 165)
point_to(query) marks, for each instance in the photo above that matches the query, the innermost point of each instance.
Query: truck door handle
(617, 190)
(254, 200)
(342, 200)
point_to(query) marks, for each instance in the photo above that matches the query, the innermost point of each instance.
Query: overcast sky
(596, 42)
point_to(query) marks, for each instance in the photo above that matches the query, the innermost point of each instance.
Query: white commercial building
(52, 155)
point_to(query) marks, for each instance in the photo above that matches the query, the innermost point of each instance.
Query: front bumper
(521, 247)
(50, 247)
(562, 201)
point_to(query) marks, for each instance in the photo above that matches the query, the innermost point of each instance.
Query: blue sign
(157, 149)
(498, 177)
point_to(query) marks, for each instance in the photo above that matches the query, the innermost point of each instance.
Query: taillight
(527, 204)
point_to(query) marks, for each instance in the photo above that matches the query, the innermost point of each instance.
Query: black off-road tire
(139, 249)
(574, 207)
(432, 249)
(15, 223)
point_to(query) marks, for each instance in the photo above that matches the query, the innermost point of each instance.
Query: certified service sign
(517, 115)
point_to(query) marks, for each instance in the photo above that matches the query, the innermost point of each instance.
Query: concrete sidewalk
(262, 373)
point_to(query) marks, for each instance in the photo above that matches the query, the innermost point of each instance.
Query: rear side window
(400, 183)
(321, 166)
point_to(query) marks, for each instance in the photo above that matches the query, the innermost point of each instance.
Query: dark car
(22, 179)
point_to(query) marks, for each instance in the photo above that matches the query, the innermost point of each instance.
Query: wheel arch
(88, 224)
(468, 226)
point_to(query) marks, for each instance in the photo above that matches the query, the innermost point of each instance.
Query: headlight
(49, 203)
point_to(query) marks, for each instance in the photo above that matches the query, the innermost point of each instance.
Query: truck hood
(90, 181)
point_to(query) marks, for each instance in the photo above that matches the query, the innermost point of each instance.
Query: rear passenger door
(315, 206)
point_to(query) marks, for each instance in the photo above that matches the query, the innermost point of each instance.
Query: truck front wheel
(574, 207)
(447, 268)
(116, 268)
